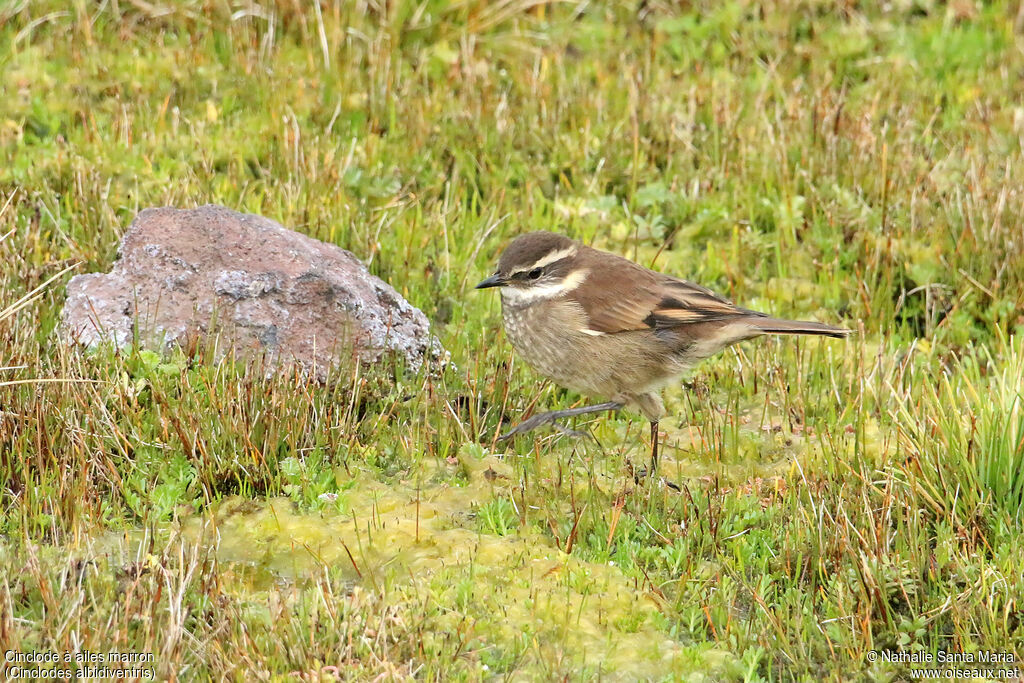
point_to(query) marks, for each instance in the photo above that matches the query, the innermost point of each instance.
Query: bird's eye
(536, 273)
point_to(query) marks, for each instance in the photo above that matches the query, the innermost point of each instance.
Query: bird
(606, 327)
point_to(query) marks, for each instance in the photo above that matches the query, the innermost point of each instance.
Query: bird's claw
(642, 473)
(554, 415)
(532, 423)
(527, 425)
(562, 429)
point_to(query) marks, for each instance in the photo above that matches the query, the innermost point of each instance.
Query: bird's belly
(550, 340)
(542, 341)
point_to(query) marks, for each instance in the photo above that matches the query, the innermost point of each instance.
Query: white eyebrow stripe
(524, 295)
(548, 259)
(592, 333)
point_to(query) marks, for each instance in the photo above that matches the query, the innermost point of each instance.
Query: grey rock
(183, 274)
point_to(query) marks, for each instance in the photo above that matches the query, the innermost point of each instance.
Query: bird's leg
(654, 455)
(654, 460)
(654, 446)
(549, 417)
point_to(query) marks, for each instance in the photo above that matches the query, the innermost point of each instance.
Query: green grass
(859, 166)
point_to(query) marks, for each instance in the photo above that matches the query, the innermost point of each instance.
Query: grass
(858, 165)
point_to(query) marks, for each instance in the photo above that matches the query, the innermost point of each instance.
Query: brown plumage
(602, 325)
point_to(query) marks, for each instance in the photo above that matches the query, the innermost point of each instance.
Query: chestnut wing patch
(628, 297)
(684, 303)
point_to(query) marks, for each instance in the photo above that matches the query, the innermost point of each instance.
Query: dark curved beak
(495, 280)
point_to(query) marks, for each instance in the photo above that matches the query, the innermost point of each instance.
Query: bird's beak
(495, 280)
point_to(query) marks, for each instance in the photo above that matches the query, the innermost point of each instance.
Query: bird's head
(538, 265)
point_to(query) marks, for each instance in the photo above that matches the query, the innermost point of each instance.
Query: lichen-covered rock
(183, 274)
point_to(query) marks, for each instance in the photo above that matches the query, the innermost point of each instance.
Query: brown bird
(599, 324)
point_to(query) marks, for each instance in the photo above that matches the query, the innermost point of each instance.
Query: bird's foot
(551, 417)
(534, 422)
(643, 473)
(530, 424)
(574, 433)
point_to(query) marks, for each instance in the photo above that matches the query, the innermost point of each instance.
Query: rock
(184, 274)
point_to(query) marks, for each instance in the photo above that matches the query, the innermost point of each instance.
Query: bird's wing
(624, 297)
(685, 302)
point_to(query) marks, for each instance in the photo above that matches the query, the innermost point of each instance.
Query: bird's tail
(780, 326)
